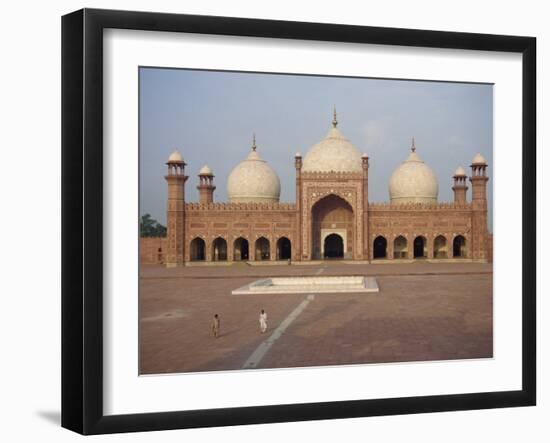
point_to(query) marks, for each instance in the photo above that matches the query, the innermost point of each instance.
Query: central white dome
(335, 153)
(253, 180)
(413, 182)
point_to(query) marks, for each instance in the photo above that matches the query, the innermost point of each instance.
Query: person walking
(263, 321)
(216, 326)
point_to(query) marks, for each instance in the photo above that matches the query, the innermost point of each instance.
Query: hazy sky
(210, 117)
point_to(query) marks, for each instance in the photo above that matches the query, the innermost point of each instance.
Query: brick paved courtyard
(424, 311)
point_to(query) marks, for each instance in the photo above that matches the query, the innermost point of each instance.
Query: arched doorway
(333, 246)
(400, 249)
(262, 249)
(440, 247)
(419, 247)
(331, 215)
(379, 247)
(219, 249)
(197, 249)
(284, 249)
(240, 249)
(459, 247)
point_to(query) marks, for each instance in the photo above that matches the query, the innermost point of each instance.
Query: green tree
(149, 227)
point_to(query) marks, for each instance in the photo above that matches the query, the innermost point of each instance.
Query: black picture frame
(82, 218)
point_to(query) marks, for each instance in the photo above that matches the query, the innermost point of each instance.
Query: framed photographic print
(269, 221)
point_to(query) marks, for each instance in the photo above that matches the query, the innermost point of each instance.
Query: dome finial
(413, 146)
(334, 119)
(254, 142)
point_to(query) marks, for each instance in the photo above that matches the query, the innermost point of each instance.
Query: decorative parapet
(195, 206)
(387, 206)
(318, 175)
(381, 206)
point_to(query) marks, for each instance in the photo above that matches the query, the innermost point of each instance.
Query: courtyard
(424, 311)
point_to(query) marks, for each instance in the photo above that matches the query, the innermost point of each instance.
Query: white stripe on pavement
(256, 357)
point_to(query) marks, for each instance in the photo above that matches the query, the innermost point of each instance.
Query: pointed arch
(240, 249)
(333, 246)
(420, 248)
(262, 249)
(284, 249)
(219, 249)
(332, 214)
(400, 247)
(459, 247)
(440, 247)
(380, 247)
(197, 249)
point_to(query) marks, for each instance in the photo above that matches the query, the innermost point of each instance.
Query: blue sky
(210, 116)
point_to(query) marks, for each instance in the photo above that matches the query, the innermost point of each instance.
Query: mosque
(332, 217)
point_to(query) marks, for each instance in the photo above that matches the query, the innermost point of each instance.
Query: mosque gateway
(332, 216)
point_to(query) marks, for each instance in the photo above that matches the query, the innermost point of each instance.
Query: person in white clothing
(263, 321)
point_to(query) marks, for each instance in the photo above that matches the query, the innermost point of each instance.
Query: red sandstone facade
(152, 250)
(332, 218)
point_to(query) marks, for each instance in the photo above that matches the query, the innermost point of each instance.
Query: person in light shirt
(216, 326)
(263, 321)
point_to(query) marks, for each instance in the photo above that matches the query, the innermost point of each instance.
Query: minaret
(366, 242)
(298, 240)
(206, 185)
(175, 217)
(459, 186)
(479, 208)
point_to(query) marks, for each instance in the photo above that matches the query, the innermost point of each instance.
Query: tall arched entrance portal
(332, 227)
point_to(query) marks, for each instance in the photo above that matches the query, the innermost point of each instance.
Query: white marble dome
(175, 157)
(253, 180)
(335, 153)
(413, 182)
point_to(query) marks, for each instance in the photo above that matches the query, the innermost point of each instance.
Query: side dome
(335, 153)
(253, 180)
(413, 182)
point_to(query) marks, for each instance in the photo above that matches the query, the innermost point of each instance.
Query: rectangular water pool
(314, 285)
